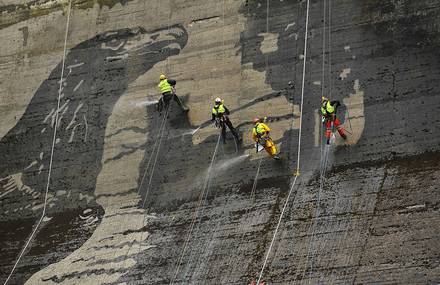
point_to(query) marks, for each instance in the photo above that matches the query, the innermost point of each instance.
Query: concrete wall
(131, 202)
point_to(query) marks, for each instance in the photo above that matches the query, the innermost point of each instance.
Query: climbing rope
(251, 197)
(317, 213)
(198, 224)
(299, 146)
(357, 237)
(208, 184)
(330, 85)
(211, 240)
(199, 204)
(160, 136)
(168, 27)
(323, 164)
(338, 246)
(60, 89)
(254, 185)
(161, 126)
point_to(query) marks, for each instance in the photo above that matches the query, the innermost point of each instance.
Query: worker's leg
(328, 129)
(233, 130)
(160, 104)
(223, 126)
(271, 148)
(180, 103)
(166, 99)
(338, 126)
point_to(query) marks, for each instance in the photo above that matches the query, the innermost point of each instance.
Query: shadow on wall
(97, 73)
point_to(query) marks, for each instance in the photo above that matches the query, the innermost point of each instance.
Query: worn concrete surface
(113, 218)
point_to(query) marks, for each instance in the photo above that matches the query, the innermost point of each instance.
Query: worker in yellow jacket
(261, 136)
(166, 87)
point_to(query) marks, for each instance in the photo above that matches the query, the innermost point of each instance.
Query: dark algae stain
(16, 13)
(406, 23)
(97, 73)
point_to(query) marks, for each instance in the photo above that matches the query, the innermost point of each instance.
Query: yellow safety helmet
(162, 77)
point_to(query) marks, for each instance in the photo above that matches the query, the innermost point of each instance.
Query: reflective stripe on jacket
(218, 110)
(164, 86)
(327, 108)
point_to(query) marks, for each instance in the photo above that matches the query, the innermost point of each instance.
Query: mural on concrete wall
(15, 13)
(275, 45)
(97, 73)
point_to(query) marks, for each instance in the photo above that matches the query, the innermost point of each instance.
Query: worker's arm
(254, 136)
(266, 128)
(335, 103)
(213, 117)
(226, 110)
(172, 82)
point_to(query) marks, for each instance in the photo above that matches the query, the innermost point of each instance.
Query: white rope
(330, 48)
(168, 26)
(315, 219)
(254, 187)
(162, 124)
(322, 177)
(267, 32)
(332, 276)
(51, 153)
(302, 86)
(156, 156)
(276, 230)
(199, 204)
(322, 164)
(299, 146)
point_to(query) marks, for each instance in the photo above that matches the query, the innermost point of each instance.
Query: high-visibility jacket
(327, 108)
(218, 110)
(259, 131)
(164, 86)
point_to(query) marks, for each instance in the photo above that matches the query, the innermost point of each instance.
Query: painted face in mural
(97, 73)
(274, 45)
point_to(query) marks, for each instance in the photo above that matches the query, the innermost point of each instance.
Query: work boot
(276, 157)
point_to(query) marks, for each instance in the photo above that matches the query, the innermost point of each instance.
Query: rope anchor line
(200, 203)
(37, 225)
(296, 174)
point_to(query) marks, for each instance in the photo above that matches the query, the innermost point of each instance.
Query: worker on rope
(221, 120)
(261, 136)
(166, 87)
(328, 112)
